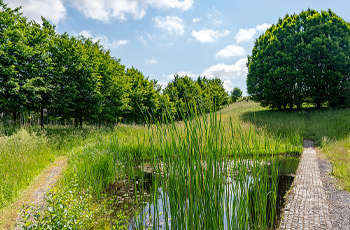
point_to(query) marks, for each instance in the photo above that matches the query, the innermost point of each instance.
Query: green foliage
(236, 94)
(303, 58)
(63, 77)
(76, 90)
(203, 93)
(144, 96)
(71, 208)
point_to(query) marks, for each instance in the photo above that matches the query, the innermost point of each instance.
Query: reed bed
(203, 179)
(206, 172)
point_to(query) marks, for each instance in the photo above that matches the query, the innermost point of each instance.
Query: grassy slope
(329, 128)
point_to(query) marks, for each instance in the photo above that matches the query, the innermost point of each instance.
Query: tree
(143, 95)
(303, 58)
(183, 92)
(205, 94)
(24, 62)
(76, 87)
(235, 94)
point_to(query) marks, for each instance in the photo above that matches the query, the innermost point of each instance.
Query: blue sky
(164, 37)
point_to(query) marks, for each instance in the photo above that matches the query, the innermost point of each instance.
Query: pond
(157, 209)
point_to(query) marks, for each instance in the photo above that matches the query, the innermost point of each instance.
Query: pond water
(287, 167)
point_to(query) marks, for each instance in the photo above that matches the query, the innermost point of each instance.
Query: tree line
(54, 76)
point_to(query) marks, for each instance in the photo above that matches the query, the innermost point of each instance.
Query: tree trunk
(81, 121)
(41, 117)
(14, 118)
(291, 106)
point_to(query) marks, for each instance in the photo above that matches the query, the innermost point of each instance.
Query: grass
(26, 152)
(209, 166)
(192, 163)
(317, 125)
(328, 128)
(23, 156)
(338, 152)
(9, 214)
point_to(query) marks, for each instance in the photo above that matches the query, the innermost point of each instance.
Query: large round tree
(303, 58)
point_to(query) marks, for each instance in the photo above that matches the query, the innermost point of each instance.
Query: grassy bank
(328, 128)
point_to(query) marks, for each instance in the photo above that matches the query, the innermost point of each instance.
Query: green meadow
(225, 166)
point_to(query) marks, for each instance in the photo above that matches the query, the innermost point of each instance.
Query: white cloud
(245, 35)
(105, 10)
(217, 22)
(196, 19)
(228, 85)
(227, 72)
(183, 73)
(102, 10)
(263, 27)
(104, 40)
(231, 51)
(208, 35)
(163, 84)
(142, 40)
(182, 5)
(53, 10)
(151, 61)
(172, 24)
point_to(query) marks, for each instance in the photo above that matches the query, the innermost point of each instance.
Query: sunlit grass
(328, 128)
(338, 152)
(23, 156)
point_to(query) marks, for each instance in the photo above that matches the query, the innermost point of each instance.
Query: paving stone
(307, 202)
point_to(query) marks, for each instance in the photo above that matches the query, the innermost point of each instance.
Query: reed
(206, 180)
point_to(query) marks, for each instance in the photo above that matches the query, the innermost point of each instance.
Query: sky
(209, 38)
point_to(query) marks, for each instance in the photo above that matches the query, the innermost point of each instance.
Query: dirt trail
(35, 193)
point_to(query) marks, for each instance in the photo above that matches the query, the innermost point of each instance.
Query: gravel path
(338, 200)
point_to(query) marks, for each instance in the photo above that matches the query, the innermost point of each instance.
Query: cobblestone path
(307, 206)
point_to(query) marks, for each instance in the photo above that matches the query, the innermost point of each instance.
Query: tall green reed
(202, 180)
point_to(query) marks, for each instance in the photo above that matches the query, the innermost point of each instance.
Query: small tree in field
(235, 94)
(303, 58)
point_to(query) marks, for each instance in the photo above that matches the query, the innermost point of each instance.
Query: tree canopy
(235, 94)
(60, 77)
(204, 93)
(304, 58)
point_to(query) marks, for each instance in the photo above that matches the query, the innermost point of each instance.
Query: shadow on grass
(318, 125)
